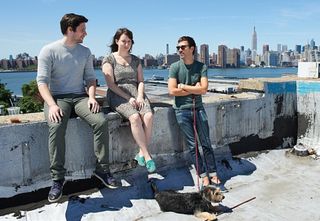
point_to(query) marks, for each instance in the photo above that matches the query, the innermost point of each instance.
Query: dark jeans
(185, 118)
(57, 131)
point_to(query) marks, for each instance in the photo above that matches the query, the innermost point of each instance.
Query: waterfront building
(273, 58)
(4, 64)
(196, 55)
(298, 49)
(279, 48)
(213, 59)
(312, 44)
(171, 58)
(248, 58)
(149, 61)
(242, 56)
(167, 49)
(314, 56)
(284, 48)
(265, 48)
(286, 59)
(160, 59)
(257, 60)
(204, 54)
(233, 58)
(265, 58)
(222, 56)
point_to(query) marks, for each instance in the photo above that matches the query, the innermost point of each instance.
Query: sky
(28, 25)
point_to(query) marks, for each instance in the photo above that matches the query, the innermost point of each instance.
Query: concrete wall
(309, 69)
(267, 122)
(308, 102)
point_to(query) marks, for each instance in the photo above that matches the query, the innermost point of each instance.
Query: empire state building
(254, 45)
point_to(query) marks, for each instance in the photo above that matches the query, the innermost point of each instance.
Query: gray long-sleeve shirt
(65, 70)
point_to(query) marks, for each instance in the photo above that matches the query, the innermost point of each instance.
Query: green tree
(31, 101)
(5, 95)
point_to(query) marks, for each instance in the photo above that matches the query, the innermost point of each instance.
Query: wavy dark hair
(71, 20)
(190, 41)
(117, 35)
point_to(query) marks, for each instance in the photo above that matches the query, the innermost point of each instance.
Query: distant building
(265, 48)
(279, 48)
(284, 48)
(298, 49)
(312, 44)
(150, 62)
(273, 58)
(171, 58)
(196, 55)
(248, 58)
(213, 59)
(4, 64)
(242, 56)
(235, 58)
(254, 40)
(254, 45)
(314, 56)
(285, 59)
(160, 59)
(167, 48)
(222, 56)
(204, 54)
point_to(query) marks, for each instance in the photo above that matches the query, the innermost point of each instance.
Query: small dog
(197, 203)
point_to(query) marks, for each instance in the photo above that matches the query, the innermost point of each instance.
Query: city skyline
(28, 26)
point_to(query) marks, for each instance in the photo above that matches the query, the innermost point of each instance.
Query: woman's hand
(133, 102)
(140, 102)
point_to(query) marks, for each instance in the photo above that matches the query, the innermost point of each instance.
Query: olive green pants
(79, 104)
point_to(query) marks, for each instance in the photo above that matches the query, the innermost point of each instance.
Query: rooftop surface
(285, 187)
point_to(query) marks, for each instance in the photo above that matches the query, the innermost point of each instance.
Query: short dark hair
(117, 35)
(71, 20)
(190, 41)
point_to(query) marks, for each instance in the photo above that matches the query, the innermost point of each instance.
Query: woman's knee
(135, 119)
(148, 117)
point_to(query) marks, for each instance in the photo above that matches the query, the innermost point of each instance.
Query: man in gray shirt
(67, 83)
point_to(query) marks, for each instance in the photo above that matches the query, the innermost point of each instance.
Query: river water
(15, 80)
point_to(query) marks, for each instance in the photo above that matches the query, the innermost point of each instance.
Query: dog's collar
(203, 195)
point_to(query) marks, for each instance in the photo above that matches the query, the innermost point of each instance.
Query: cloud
(304, 12)
(208, 18)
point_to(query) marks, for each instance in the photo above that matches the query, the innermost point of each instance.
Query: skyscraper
(167, 49)
(265, 48)
(284, 48)
(298, 48)
(222, 56)
(279, 46)
(312, 44)
(254, 39)
(254, 45)
(242, 56)
(204, 54)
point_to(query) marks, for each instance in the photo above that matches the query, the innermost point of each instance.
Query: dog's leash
(242, 203)
(195, 139)
(239, 204)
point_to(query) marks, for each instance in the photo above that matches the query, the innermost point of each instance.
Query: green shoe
(140, 159)
(151, 166)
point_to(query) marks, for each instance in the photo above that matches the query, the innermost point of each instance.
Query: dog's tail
(154, 187)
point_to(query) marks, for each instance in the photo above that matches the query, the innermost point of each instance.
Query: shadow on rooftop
(138, 188)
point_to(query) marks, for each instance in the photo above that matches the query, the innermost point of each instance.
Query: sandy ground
(285, 187)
